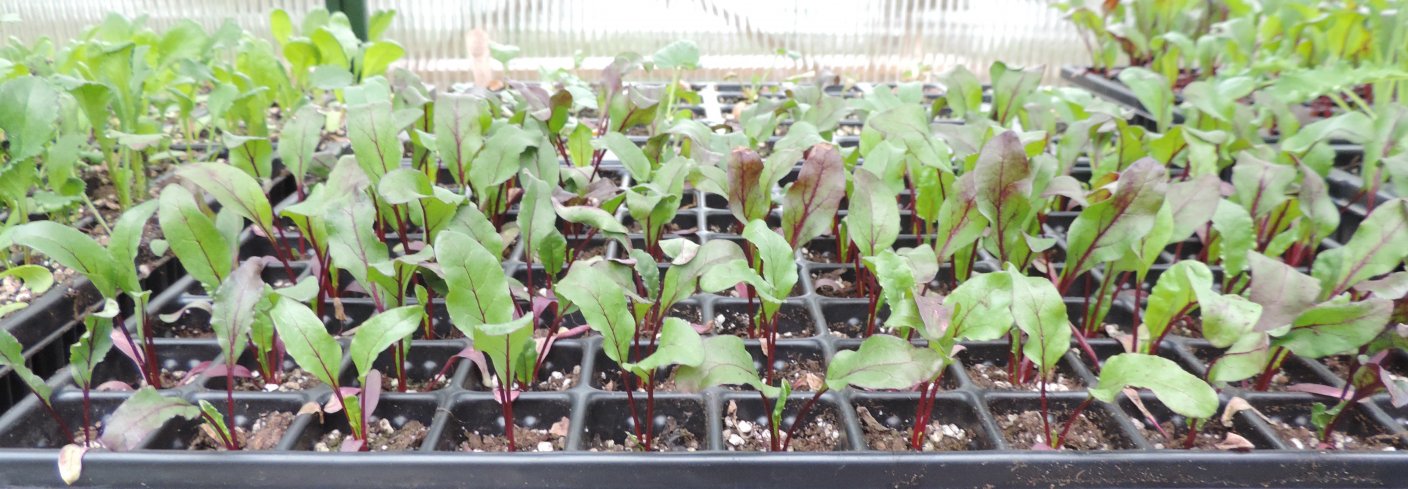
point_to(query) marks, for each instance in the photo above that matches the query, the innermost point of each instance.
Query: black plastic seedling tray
(1347, 154)
(817, 327)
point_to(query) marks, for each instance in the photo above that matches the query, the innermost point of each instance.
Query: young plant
(888, 362)
(389, 329)
(481, 306)
(111, 269)
(1179, 391)
(620, 301)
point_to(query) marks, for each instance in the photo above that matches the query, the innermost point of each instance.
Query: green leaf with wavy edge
(381, 331)
(1180, 391)
(883, 362)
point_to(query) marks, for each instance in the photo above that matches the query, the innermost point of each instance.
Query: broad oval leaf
(307, 340)
(142, 415)
(811, 202)
(883, 362)
(381, 331)
(194, 238)
(1180, 391)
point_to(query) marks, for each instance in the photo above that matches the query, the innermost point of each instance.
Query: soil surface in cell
(524, 440)
(558, 381)
(1024, 430)
(1213, 436)
(383, 437)
(268, 429)
(996, 377)
(292, 380)
(1302, 438)
(820, 432)
(938, 437)
(792, 322)
(673, 437)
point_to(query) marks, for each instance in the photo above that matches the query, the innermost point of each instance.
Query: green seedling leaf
(726, 362)
(29, 113)
(381, 331)
(142, 415)
(873, 219)
(126, 237)
(498, 161)
(36, 278)
(883, 362)
(307, 340)
(1010, 88)
(1260, 186)
(982, 307)
(1180, 391)
(91, 348)
(479, 292)
(630, 155)
(603, 304)
(1103, 231)
(71, 248)
(374, 129)
(252, 154)
(778, 266)
(682, 55)
(1336, 326)
(702, 268)
(679, 344)
(299, 140)
(234, 308)
(1235, 228)
(233, 189)
(960, 220)
(458, 131)
(12, 356)
(194, 237)
(1038, 311)
(594, 217)
(1153, 92)
(1375, 249)
(213, 416)
(1283, 292)
(810, 204)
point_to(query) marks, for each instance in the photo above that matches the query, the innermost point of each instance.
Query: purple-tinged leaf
(235, 307)
(1003, 176)
(1375, 249)
(810, 205)
(748, 196)
(140, 416)
(873, 219)
(371, 392)
(1336, 326)
(960, 221)
(1321, 390)
(1261, 186)
(1193, 203)
(1283, 292)
(1105, 230)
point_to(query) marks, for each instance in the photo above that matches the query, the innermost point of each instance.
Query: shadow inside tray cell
(476, 424)
(1358, 428)
(36, 428)
(423, 366)
(736, 317)
(1212, 435)
(954, 424)
(272, 417)
(561, 370)
(1020, 420)
(679, 424)
(746, 426)
(400, 423)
